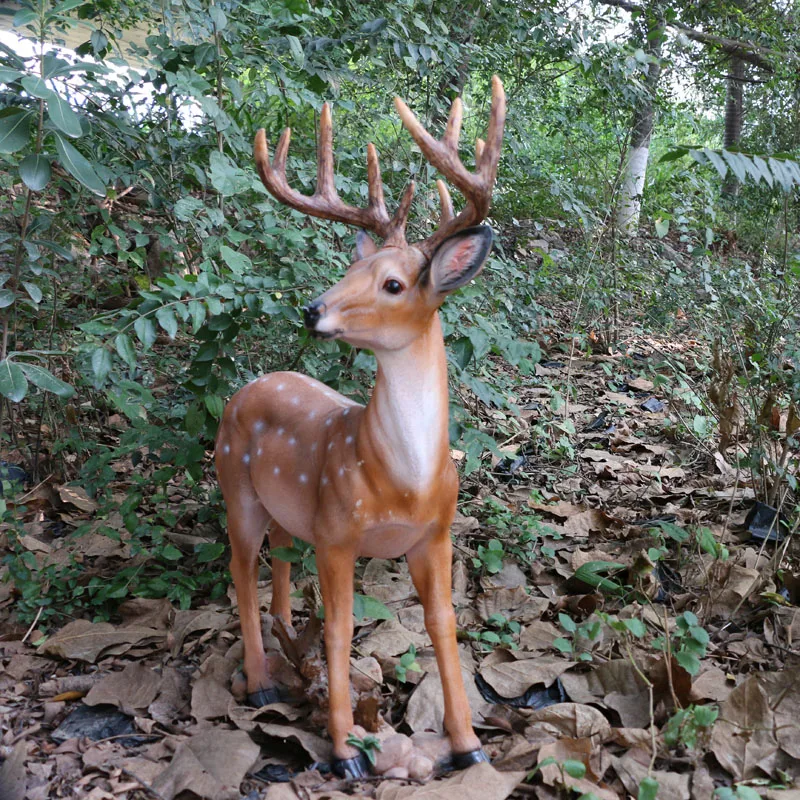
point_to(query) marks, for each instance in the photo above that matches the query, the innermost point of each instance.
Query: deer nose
(312, 312)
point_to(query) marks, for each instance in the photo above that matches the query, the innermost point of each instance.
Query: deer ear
(364, 246)
(459, 258)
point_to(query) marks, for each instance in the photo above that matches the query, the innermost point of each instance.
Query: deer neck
(405, 426)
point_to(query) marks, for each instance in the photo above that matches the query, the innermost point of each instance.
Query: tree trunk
(734, 112)
(630, 197)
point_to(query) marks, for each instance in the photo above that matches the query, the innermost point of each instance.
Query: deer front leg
(336, 566)
(430, 565)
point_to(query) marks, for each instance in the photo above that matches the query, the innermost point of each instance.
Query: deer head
(390, 293)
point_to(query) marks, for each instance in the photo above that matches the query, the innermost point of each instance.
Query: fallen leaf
(743, 734)
(479, 782)
(634, 766)
(575, 750)
(13, 781)
(85, 641)
(318, 749)
(131, 690)
(387, 581)
(390, 638)
(77, 496)
(514, 678)
(571, 720)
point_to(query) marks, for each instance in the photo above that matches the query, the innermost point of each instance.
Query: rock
(420, 768)
(395, 752)
(539, 244)
(365, 674)
(396, 772)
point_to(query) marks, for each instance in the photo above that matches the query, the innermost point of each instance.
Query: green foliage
(408, 661)
(501, 632)
(686, 727)
(369, 746)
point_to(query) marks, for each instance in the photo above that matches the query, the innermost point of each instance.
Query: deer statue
(301, 460)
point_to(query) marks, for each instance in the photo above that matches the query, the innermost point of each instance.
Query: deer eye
(392, 286)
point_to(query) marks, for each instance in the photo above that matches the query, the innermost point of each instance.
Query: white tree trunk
(630, 196)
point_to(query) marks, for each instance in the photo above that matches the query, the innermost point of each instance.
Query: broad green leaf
(7, 297)
(218, 17)
(77, 166)
(209, 551)
(289, 554)
(168, 321)
(717, 162)
(45, 380)
(215, 405)
(688, 661)
(574, 768)
(7, 75)
(36, 87)
(736, 163)
(592, 573)
(195, 419)
(67, 5)
(146, 331)
(662, 228)
(197, 310)
(296, 49)
(636, 627)
(15, 129)
(238, 262)
(35, 171)
(101, 364)
(12, 381)
(648, 789)
(365, 607)
(34, 292)
(63, 117)
(125, 349)
(171, 553)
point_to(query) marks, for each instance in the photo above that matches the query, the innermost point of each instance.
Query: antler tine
(446, 214)
(443, 154)
(325, 202)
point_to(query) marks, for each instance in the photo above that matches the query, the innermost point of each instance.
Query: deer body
(377, 480)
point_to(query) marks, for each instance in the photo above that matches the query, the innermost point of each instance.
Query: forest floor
(619, 626)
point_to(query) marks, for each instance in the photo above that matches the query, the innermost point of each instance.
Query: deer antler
(443, 154)
(325, 202)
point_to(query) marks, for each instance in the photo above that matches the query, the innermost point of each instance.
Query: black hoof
(351, 768)
(459, 761)
(265, 697)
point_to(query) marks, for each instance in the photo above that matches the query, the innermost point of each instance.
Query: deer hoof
(274, 694)
(459, 761)
(351, 768)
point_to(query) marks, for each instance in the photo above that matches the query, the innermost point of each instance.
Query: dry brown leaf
(743, 734)
(712, 684)
(634, 766)
(425, 711)
(131, 690)
(739, 583)
(390, 638)
(13, 781)
(202, 619)
(573, 720)
(480, 782)
(783, 691)
(318, 748)
(538, 636)
(144, 612)
(77, 496)
(212, 764)
(172, 702)
(514, 678)
(577, 750)
(85, 641)
(210, 699)
(513, 603)
(387, 581)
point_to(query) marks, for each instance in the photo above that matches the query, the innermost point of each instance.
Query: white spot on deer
(258, 425)
(348, 440)
(324, 480)
(329, 420)
(312, 413)
(345, 412)
(276, 471)
(226, 448)
(259, 451)
(295, 401)
(292, 440)
(279, 387)
(330, 446)
(359, 502)
(280, 431)
(303, 478)
(313, 447)
(246, 458)
(341, 471)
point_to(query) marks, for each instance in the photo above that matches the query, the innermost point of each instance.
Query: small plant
(490, 558)
(689, 642)
(687, 725)
(408, 661)
(369, 746)
(504, 633)
(300, 552)
(588, 631)
(519, 532)
(708, 544)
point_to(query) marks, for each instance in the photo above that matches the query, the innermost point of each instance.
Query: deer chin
(334, 334)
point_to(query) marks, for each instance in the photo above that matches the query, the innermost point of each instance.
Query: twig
(33, 624)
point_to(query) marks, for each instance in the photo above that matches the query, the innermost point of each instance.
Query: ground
(620, 626)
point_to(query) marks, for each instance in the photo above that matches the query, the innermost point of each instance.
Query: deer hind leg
(430, 565)
(281, 570)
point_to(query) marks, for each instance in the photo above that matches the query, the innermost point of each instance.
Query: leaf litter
(617, 625)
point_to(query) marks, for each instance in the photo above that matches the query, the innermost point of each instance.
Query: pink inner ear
(459, 258)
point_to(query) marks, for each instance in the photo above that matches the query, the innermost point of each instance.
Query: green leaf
(101, 365)
(146, 331)
(34, 292)
(7, 75)
(574, 768)
(36, 87)
(648, 789)
(195, 418)
(215, 405)
(689, 661)
(7, 297)
(63, 117)
(125, 349)
(15, 129)
(662, 228)
(35, 171)
(168, 321)
(636, 627)
(218, 17)
(296, 49)
(562, 645)
(209, 551)
(592, 571)
(365, 607)
(238, 262)
(197, 311)
(171, 553)
(706, 716)
(567, 623)
(12, 381)
(77, 166)
(288, 554)
(46, 381)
